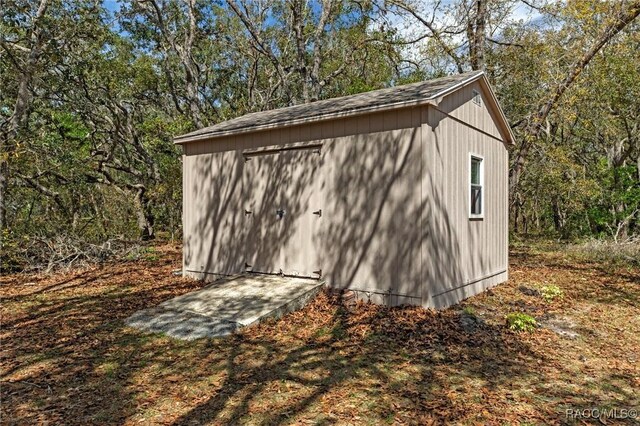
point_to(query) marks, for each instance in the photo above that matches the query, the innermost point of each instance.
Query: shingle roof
(406, 95)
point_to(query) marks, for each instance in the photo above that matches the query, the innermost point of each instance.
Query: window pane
(475, 171)
(477, 99)
(476, 199)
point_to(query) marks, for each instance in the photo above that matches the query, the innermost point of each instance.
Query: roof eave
(503, 122)
(179, 140)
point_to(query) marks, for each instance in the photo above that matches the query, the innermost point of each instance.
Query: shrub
(518, 321)
(611, 252)
(550, 292)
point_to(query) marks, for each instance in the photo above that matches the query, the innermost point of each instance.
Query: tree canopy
(92, 92)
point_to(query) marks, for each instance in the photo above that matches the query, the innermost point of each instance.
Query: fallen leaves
(68, 358)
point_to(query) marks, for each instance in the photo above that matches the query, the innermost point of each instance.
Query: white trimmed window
(476, 186)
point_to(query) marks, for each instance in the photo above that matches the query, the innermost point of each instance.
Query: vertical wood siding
(393, 188)
(463, 256)
(459, 105)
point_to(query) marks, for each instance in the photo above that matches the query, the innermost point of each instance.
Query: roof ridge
(390, 88)
(342, 106)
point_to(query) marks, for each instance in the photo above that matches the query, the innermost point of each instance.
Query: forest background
(92, 93)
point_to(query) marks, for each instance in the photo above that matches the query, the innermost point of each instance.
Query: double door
(283, 211)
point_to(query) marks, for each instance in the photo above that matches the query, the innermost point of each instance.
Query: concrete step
(226, 305)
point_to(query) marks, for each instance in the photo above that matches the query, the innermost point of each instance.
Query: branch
(625, 17)
(503, 43)
(260, 45)
(436, 34)
(33, 183)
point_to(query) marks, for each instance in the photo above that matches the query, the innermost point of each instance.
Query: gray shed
(398, 194)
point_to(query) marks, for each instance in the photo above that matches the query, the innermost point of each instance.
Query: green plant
(469, 310)
(518, 321)
(550, 292)
(150, 254)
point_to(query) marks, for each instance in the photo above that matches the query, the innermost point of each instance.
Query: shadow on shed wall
(385, 229)
(479, 246)
(220, 237)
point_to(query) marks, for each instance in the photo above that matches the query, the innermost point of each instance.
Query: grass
(67, 357)
(622, 252)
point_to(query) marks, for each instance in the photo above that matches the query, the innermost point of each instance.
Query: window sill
(476, 218)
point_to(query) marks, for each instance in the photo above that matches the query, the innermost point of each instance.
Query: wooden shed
(398, 194)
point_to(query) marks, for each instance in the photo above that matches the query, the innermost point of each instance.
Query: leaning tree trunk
(534, 127)
(4, 170)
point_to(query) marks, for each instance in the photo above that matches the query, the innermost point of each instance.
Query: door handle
(318, 213)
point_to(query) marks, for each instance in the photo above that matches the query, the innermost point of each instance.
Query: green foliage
(518, 321)
(10, 259)
(469, 310)
(94, 159)
(551, 292)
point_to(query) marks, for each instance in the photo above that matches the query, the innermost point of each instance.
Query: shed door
(285, 211)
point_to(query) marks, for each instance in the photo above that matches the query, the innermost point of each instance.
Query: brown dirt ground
(67, 357)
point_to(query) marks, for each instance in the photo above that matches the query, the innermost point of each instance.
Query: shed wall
(394, 195)
(462, 256)
(369, 175)
(372, 236)
(459, 105)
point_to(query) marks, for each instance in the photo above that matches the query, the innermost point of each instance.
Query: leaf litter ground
(67, 357)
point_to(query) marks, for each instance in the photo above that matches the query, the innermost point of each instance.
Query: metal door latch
(318, 273)
(247, 212)
(280, 213)
(247, 266)
(318, 213)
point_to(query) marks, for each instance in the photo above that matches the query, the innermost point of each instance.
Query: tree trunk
(476, 36)
(144, 215)
(4, 170)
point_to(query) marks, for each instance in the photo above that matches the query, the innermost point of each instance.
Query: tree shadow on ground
(357, 349)
(58, 340)
(68, 358)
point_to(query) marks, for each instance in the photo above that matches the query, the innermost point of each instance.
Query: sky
(411, 29)
(111, 5)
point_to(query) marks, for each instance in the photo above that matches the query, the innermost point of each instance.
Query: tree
(24, 46)
(460, 31)
(307, 49)
(616, 20)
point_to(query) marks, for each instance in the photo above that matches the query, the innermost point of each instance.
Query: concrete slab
(226, 305)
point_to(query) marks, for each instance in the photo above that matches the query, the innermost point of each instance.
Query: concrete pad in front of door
(226, 305)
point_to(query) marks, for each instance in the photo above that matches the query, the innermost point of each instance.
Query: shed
(398, 194)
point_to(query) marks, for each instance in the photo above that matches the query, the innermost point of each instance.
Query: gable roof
(378, 100)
